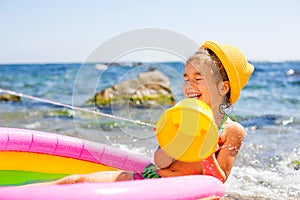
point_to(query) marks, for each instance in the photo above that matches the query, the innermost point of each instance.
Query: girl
(215, 74)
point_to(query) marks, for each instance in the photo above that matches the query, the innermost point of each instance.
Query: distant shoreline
(127, 63)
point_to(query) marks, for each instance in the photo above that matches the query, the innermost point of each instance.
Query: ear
(224, 87)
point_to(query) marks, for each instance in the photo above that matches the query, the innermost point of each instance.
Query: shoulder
(233, 131)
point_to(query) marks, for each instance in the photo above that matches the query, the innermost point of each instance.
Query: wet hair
(209, 58)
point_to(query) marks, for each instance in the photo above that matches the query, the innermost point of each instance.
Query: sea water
(266, 167)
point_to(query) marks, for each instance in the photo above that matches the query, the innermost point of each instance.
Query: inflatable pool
(28, 156)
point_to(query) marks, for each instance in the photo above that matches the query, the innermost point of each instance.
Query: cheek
(212, 87)
(184, 90)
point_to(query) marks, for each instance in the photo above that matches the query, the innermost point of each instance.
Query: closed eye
(185, 78)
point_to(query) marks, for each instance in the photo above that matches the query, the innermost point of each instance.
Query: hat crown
(241, 65)
(236, 66)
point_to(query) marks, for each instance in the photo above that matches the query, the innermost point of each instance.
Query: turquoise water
(268, 108)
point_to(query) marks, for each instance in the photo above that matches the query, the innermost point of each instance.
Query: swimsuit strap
(221, 128)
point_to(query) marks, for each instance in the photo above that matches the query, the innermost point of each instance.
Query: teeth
(194, 95)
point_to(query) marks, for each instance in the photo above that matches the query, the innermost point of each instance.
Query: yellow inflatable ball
(187, 131)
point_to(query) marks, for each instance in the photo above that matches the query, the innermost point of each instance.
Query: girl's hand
(161, 159)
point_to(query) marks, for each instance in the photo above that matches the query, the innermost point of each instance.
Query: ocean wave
(268, 120)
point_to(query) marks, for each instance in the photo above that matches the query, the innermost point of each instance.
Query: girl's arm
(221, 166)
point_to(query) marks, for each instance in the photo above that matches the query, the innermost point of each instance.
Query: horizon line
(123, 62)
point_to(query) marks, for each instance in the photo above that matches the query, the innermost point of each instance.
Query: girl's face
(200, 83)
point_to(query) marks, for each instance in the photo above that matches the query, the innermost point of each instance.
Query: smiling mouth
(193, 95)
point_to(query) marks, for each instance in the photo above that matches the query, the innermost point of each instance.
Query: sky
(41, 31)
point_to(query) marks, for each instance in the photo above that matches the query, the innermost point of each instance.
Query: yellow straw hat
(235, 63)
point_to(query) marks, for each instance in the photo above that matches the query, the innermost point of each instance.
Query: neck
(218, 116)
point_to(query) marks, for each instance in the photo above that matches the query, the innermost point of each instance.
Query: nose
(189, 84)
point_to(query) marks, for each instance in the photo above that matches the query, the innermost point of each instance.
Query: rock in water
(9, 97)
(149, 88)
